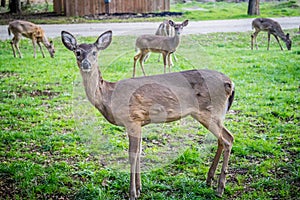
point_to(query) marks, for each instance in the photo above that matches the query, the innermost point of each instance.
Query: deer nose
(85, 65)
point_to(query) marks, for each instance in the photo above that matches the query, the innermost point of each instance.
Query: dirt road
(202, 27)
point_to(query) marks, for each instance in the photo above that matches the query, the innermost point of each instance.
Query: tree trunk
(3, 3)
(15, 6)
(253, 7)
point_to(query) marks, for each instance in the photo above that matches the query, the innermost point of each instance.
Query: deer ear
(69, 40)
(185, 23)
(171, 23)
(103, 40)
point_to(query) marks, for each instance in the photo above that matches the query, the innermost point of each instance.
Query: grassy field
(55, 145)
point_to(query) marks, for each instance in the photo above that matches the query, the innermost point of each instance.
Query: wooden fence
(94, 7)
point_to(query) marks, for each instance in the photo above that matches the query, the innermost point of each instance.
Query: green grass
(224, 10)
(54, 144)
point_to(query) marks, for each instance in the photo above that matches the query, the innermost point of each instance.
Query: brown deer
(205, 95)
(272, 27)
(158, 44)
(164, 29)
(32, 31)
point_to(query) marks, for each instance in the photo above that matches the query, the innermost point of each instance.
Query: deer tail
(231, 97)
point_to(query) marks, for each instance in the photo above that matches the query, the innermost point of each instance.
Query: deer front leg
(165, 55)
(269, 35)
(41, 49)
(278, 42)
(170, 63)
(175, 58)
(134, 134)
(34, 47)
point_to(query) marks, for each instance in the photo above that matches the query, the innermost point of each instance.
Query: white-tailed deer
(32, 31)
(158, 44)
(272, 27)
(205, 95)
(164, 29)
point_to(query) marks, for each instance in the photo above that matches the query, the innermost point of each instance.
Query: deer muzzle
(86, 65)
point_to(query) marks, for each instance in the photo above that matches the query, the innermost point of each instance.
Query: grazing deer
(158, 44)
(272, 27)
(27, 29)
(164, 29)
(132, 103)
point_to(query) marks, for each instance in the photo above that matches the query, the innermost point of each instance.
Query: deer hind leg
(253, 39)
(225, 141)
(143, 57)
(136, 57)
(134, 134)
(41, 49)
(278, 42)
(15, 45)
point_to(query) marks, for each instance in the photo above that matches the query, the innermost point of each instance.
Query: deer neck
(99, 92)
(45, 41)
(91, 83)
(280, 34)
(175, 40)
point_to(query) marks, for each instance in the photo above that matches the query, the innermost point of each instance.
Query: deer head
(178, 27)
(86, 54)
(288, 42)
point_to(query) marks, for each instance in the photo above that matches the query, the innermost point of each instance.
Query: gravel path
(200, 27)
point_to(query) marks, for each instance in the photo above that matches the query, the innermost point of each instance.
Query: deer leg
(41, 49)
(13, 47)
(134, 63)
(278, 42)
(34, 47)
(227, 140)
(158, 59)
(170, 61)
(134, 134)
(165, 54)
(269, 35)
(16, 45)
(142, 58)
(175, 58)
(254, 36)
(213, 167)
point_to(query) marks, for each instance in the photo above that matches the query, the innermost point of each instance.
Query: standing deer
(133, 103)
(158, 44)
(164, 29)
(27, 29)
(272, 27)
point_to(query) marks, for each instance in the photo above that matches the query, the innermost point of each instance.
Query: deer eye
(77, 53)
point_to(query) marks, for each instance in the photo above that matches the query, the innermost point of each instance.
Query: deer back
(169, 97)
